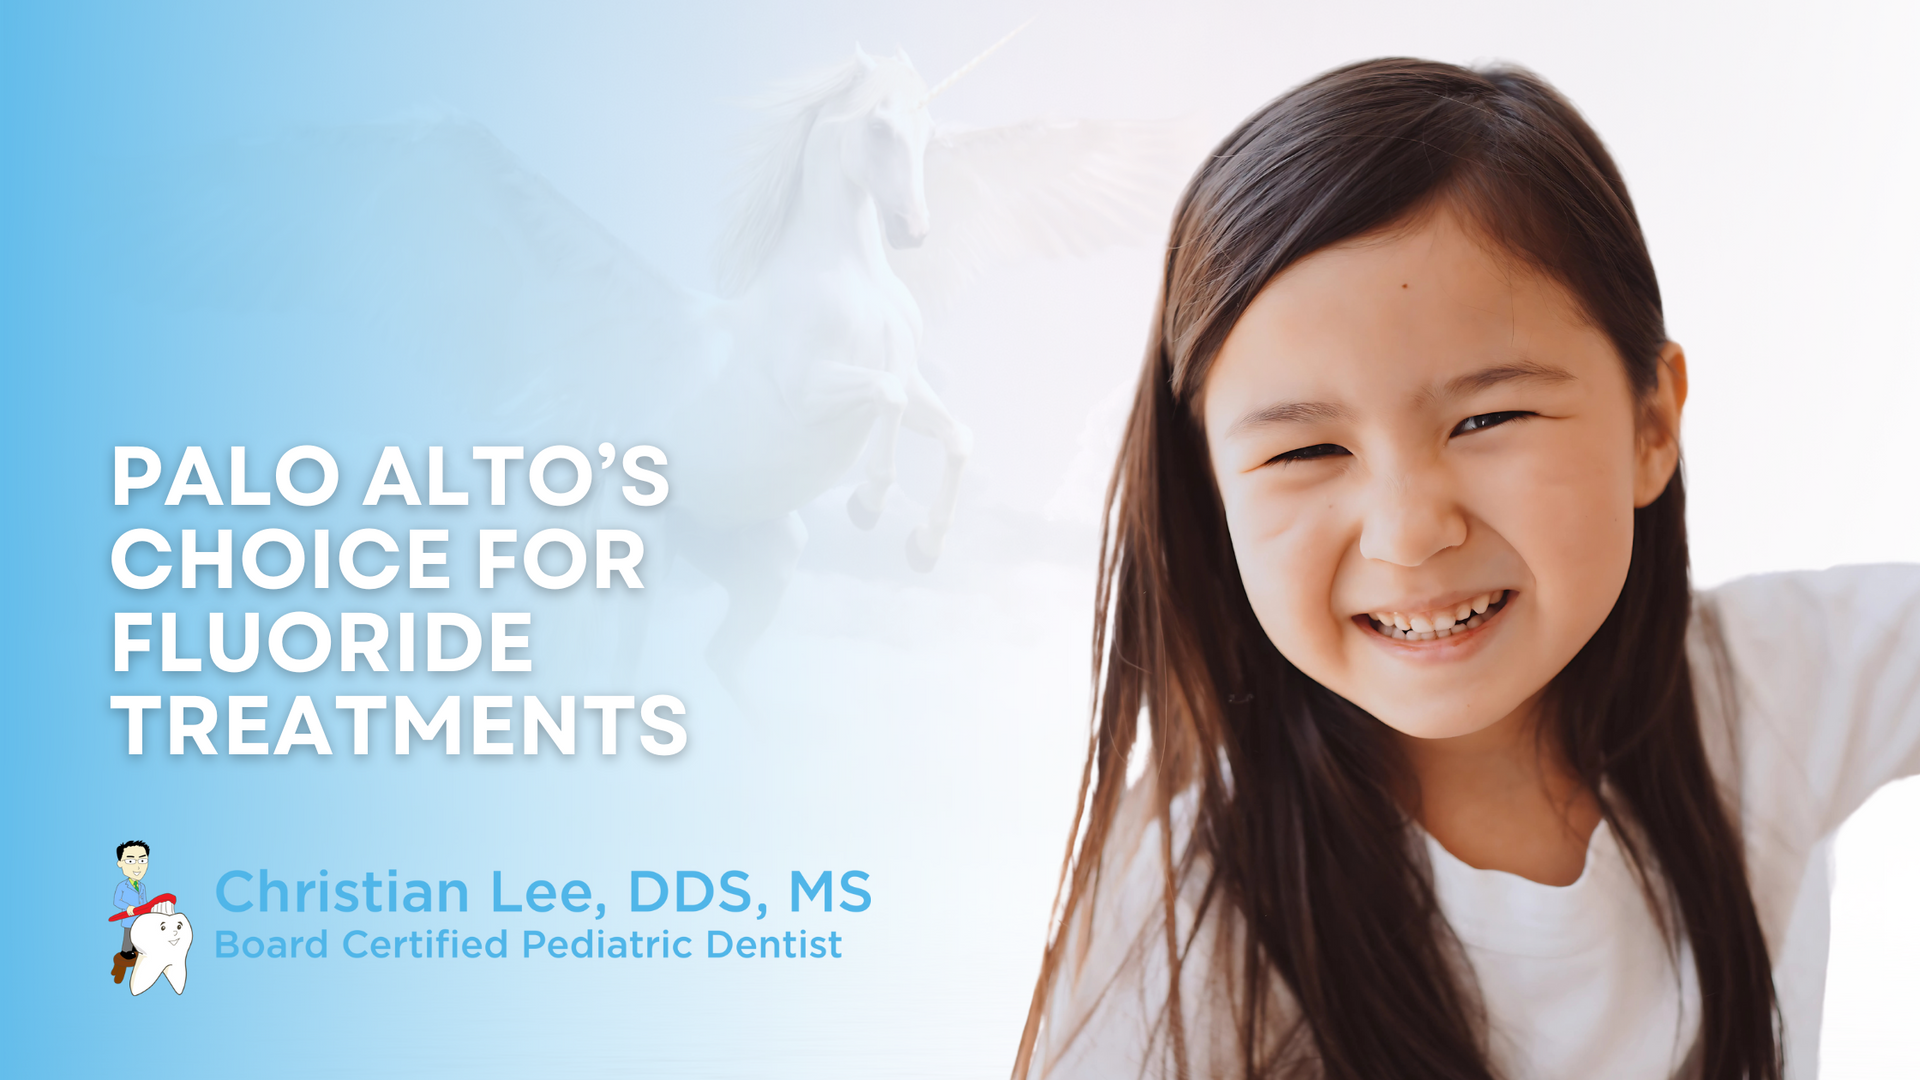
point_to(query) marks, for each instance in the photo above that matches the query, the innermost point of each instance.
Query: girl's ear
(1659, 449)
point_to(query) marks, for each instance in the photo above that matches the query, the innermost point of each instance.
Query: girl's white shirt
(1808, 704)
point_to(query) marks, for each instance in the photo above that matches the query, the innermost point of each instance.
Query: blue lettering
(727, 886)
(847, 886)
(497, 905)
(265, 885)
(659, 883)
(680, 890)
(220, 890)
(823, 883)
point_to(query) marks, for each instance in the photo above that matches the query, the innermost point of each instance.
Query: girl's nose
(1410, 521)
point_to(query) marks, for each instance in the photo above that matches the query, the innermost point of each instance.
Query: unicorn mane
(775, 152)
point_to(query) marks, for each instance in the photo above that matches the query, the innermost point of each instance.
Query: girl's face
(1429, 461)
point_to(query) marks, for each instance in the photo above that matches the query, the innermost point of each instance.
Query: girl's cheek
(1288, 545)
(1568, 512)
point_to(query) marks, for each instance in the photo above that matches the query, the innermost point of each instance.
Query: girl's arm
(1825, 681)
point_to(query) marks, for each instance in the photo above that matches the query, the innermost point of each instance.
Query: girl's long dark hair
(1297, 831)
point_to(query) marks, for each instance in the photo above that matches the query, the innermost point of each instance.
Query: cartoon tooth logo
(162, 937)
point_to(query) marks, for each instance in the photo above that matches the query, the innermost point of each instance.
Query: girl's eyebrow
(1307, 412)
(1476, 381)
(1289, 412)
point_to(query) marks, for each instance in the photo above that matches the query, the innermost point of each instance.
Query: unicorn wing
(427, 234)
(1039, 189)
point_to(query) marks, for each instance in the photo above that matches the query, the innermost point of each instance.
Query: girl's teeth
(1429, 626)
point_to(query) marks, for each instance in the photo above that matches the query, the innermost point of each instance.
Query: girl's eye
(1486, 420)
(1308, 453)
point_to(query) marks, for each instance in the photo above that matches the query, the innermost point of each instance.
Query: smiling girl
(1414, 753)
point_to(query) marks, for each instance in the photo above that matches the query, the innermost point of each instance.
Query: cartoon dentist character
(155, 938)
(127, 896)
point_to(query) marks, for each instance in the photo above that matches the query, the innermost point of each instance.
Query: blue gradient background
(106, 110)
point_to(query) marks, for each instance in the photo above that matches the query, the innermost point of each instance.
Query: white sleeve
(1106, 1016)
(1100, 1012)
(1825, 670)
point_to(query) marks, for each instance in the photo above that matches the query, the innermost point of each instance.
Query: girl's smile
(1412, 625)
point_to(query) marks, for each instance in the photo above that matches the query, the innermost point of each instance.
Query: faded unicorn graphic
(855, 210)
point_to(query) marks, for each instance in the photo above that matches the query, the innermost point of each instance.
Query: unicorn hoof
(863, 516)
(921, 553)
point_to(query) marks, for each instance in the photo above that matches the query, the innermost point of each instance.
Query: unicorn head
(883, 144)
(874, 112)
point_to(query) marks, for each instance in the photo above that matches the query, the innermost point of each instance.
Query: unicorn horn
(971, 64)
